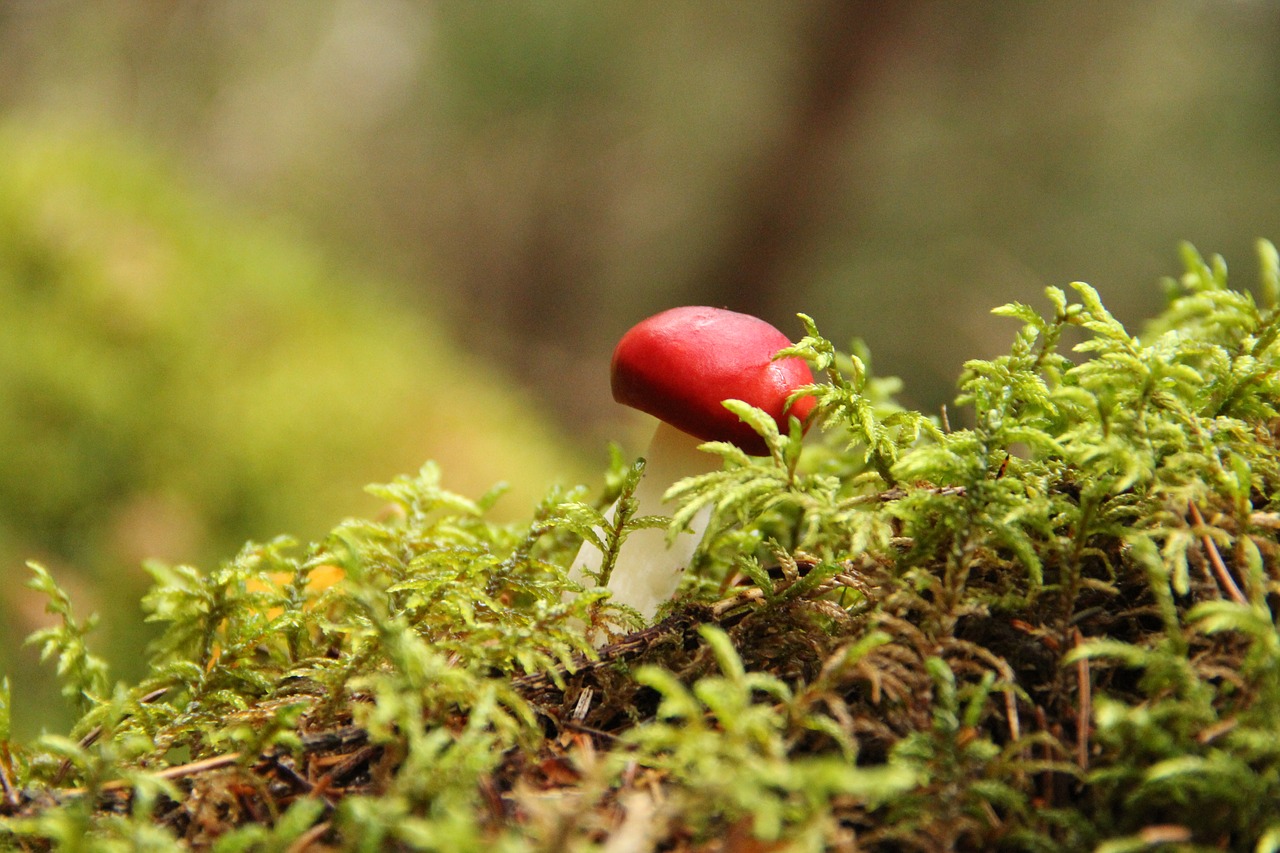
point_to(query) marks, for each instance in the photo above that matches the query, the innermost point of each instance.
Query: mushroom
(679, 366)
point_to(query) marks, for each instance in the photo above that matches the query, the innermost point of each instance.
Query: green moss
(1049, 630)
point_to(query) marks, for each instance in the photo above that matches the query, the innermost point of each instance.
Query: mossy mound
(1050, 630)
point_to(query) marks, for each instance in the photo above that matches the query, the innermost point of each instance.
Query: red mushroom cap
(681, 364)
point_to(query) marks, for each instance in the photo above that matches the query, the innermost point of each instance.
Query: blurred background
(256, 255)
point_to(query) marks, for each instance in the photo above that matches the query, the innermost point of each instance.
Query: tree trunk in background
(794, 186)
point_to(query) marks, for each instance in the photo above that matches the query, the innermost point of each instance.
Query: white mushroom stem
(647, 570)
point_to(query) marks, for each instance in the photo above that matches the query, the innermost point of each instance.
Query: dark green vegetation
(1050, 630)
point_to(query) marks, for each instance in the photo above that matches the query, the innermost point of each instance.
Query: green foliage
(1051, 629)
(788, 502)
(83, 674)
(177, 378)
(852, 402)
(722, 745)
(607, 531)
(437, 609)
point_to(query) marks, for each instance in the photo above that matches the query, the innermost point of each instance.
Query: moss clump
(1049, 630)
